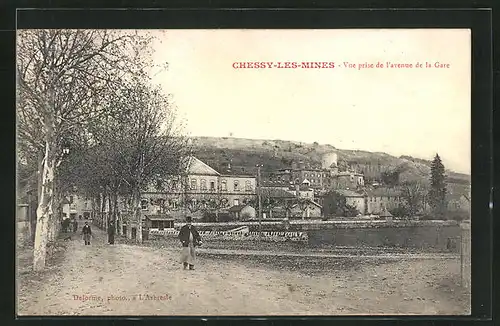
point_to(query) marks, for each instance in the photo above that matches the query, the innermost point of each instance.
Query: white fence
(239, 235)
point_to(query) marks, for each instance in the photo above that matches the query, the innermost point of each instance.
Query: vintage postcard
(243, 172)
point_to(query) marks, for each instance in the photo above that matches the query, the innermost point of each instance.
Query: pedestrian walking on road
(111, 233)
(87, 233)
(75, 225)
(190, 238)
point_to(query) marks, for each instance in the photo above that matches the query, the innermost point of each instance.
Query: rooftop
(310, 202)
(237, 208)
(383, 192)
(276, 193)
(236, 175)
(159, 217)
(348, 193)
(349, 173)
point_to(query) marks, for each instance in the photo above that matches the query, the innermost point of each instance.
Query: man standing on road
(111, 233)
(87, 233)
(190, 238)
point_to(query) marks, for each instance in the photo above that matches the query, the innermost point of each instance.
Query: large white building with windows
(200, 189)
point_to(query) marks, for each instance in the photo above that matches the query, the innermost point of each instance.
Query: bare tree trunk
(110, 210)
(137, 206)
(115, 213)
(129, 227)
(103, 212)
(44, 209)
(54, 218)
(138, 217)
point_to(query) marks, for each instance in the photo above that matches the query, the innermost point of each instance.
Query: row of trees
(90, 92)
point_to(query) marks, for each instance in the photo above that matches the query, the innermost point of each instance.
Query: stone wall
(442, 237)
(435, 235)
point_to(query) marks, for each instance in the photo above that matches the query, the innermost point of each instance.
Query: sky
(400, 111)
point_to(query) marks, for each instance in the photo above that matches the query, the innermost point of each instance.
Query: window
(154, 224)
(203, 184)
(144, 204)
(248, 185)
(160, 225)
(71, 199)
(236, 184)
(224, 185)
(236, 202)
(193, 184)
(305, 175)
(212, 185)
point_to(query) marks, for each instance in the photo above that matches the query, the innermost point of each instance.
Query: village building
(307, 209)
(324, 177)
(159, 222)
(380, 199)
(200, 189)
(348, 180)
(354, 199)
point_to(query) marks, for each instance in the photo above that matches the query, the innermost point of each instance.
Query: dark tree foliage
(437, 192)
(335, 204)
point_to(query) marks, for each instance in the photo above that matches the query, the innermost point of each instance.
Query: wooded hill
(244, 154)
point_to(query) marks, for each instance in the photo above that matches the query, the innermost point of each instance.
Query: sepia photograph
(243, 172)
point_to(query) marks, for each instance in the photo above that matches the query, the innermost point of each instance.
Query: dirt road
(131, 280)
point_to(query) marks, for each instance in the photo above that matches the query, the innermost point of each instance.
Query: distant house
(354, 199)
(159, 222)
(66, 208)
(349, 180)
(458, 197)
(385, 214)
(378, 199)
(306, 209)
(459, 204)
(198, 190)
(242, 212)
(302, 191)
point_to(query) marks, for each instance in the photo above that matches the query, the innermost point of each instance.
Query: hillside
(245, 154)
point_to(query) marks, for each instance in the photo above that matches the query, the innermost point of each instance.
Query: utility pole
(259, 198)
